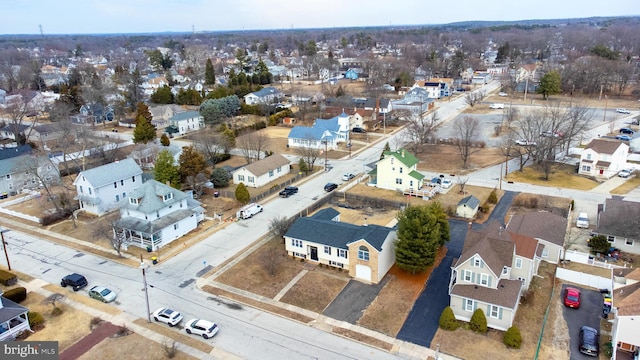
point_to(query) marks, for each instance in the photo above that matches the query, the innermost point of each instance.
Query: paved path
(103, 331)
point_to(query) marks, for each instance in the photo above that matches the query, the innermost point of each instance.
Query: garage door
(363, 272)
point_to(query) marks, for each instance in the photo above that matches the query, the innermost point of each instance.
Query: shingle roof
(471, 201)
(106, 174)
(619, 218)
(602, 146)
(540, 225)
(492, 244)
(267, 164)
(337, 234)
(505, 295)
(185, 115)
(403, 156)
(325, 214)
(269, 90)
(150, 197)
(7, 153)
(627, 300)
(10, 310)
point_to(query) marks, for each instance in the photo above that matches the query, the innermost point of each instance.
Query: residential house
(99, 112)
(187, 121)
(415, 101)
(351, 74)
(265, 95)
(155, 214)
(13, 319)
(325, 134)
(20, 169)
(101, 189)
(9, 131)
(46, 132)
(366, 251)
(603, 159)
(432, 88)
(481, 78)
(397, 170)
(161, 114)
(468, 207)
(262, 172)
(482, 277)
(547, 228)
(625, 311)
(617, 219)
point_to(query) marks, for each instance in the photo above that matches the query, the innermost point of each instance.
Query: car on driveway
(329, 187)
(623, 137)
(167, 316)
(102, 293)
(624, 173)
(503, 94)
(623, 111)
(572, 297)
(204, 328)
(76, 281)
(347, 176)
(496, 106)
(446, 183)
(589, 341)
(288, 191)
(627, 131)
(359, 130)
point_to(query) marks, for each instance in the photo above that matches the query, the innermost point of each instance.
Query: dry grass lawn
(446, 159)
(82, 297)
(175, 334)
(588, 269)
(314, 291)
(628, 185)
(390, 309)
(66, 328)
(132, 346)
(562, 177)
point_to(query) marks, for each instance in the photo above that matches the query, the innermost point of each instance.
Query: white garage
(363, 272)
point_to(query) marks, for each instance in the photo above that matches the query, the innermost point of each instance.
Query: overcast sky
(137, 16)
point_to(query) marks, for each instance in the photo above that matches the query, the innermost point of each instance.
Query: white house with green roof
(397, 171)
(155, 214)
(187, 121)
(99, 190)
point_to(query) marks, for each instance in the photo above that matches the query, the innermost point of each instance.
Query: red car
(572, 297)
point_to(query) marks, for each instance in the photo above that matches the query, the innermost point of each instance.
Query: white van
(583, 221)
(247, 211)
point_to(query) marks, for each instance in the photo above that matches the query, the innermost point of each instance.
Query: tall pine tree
(209, 73)
(165, 170)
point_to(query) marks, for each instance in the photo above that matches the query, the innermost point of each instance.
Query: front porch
(13, 320)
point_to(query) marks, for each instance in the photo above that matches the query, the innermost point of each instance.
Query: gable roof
(107, 174)
(602, 146)
(185, 115)
(505, 295)
(7, 153)
(337, 234)
(325, 214)
(619, 218)
(150, 197)
(540, 225)
(269, 90)
(267, 164)
(470, 201)
(403, 156)
(10, 309)
(492, 244)
(627, 300)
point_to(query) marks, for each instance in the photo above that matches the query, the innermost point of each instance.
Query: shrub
(599, 243)
(448, 320)
(242, 194)
(7, 278)
(512, 337)
(95, 321)
(36, 319)
(170, 349)
(220, 178)
(493, 197)
(56, 311)
(533, 203)
(218, 158)
(478, 322)
(17, 295)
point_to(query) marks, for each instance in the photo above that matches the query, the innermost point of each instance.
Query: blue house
(325, 133)
(351, 74)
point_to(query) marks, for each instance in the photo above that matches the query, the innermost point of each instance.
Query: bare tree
(196, 183)
(474, 97)
(44, 173)
(462, 182)
(109, 231)
(420, 130)
(467, 131)
(53, 299)
(252, 145)
(211, 145)
(279, 225)
(309, 153)
(17, 111)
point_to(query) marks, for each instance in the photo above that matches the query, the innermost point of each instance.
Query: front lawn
(564, 176)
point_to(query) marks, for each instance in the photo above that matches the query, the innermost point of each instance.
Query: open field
(564, 176)
(446, 159)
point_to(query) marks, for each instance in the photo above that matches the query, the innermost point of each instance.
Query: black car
(76, 281)
(627, 131)
(330, 187)
(589, 341)
(288, 191)
(359, 130)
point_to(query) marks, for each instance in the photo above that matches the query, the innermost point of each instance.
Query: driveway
(422, 323)
(353, 300)
(588, 314)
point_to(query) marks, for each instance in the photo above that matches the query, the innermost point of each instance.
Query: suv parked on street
(329, 187)
(76, 281)
(288, 191)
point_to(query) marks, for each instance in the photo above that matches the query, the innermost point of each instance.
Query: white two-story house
(603, 158)
(187, 121)
(100, 189)
(155, 214)
(397, 171)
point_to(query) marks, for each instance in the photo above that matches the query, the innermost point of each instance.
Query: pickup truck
(288, 191)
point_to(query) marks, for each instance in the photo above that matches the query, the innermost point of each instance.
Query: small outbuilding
(468, 207)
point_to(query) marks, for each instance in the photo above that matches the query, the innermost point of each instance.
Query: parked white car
(582, 221)
(523, 142)
(496, 106)
(623, 111)
(446, 183)
(503, 94)
(624, 173)
(206, 329)
(167, 316)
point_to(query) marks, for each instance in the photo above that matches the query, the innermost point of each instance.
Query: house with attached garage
(365, 251)
(626, 312)
(186, 122)
(617, 219)
(262, 172)
(155, 214)
(13, 319)
(266, 95)
(99, 190)
(397, 171)
(603, 159)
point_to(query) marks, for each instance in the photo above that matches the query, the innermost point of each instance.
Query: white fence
(17, 200)
(581, 278)
(583, 258)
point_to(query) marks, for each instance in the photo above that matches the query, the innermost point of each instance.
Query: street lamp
(146, 291)
(325, 135)
(4, 247)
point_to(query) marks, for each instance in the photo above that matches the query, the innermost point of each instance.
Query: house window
(157, 214)
(484, 279)
(611, 238)
(167, 197)
(240, 177)
(122, 182)
(10, 186)
(124, 195)
(279, 170)
(399, 181)
(250, 179)
(391, 161)
(115, 185)
(133, 201)
(334, 263)
(477, 262)
(363, 253)
(175, 226)
(545, 253)
(90, 191)
(467, 275)
(588, 156)
(133, 179)
(410, 183)
(296, 243)
(586, 168)
(8, 176)
(494, 312)
(327, 250)
(505, 270)
(518, 263)
(628, 242)
(80, 188)
(342, 253)
(270, 173)
(400, 168)
(117, 198)
(469, 305)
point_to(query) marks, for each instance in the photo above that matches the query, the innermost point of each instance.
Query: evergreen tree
(303, 166)
(164, 140)
(144, 131)
(387, 148)
(422, 230)
(162, 95)
(220, 177)
(165, 169)
(209, 73)
(242, 194)
(550, 84)
(478, 322)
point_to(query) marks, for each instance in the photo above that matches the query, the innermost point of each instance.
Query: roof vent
(502, 285)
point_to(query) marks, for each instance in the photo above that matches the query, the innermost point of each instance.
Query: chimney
(402, 153)
(469, 225)
(365, 222)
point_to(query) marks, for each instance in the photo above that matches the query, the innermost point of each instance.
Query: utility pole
(146, 291)
(4, 247)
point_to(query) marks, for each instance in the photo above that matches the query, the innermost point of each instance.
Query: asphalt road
(589, 314)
